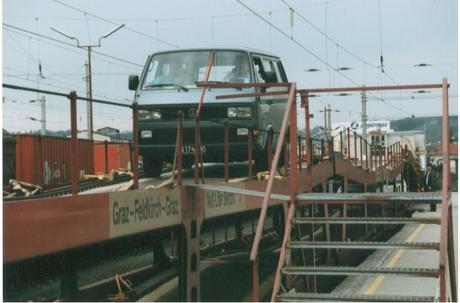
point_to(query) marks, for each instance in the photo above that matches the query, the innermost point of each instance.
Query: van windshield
(186, 69)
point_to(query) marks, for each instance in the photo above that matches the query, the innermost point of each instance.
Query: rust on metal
(244, 85)
(135, 164)
(445, 190)
(179, 149)
(234, 96)
(197, 120)
(263, 212)
(74, 151)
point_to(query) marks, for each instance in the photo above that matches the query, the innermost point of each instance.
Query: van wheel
(261, 160)
(152, 167)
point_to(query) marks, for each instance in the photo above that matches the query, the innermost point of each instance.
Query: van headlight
(156, 115)
(239, 112)
(243, 112)
(231, 112)
(145, 114)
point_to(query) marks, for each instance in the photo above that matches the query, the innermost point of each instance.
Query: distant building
(109, 131)
(108, 134)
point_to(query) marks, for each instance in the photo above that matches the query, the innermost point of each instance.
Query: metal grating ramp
(369, 220)
(296, 297)
(364, 245)
(348, 271)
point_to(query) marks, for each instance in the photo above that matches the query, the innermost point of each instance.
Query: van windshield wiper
(167, 84)
(215, 82)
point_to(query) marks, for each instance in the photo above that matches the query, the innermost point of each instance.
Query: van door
(269, 70)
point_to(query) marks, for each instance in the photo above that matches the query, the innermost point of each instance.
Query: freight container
(9, 160)
(45, 160)
(108, 156)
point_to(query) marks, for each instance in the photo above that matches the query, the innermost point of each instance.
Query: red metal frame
(135, 165)
(197, 120)
(250, 132)
(75, 155)
(263, 212)
(445, 192)
(401, 155)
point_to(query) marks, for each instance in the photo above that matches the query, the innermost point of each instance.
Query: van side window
(269, 71)
(258, 70)
(281, 71)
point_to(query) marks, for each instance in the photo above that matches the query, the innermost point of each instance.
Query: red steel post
(341, 146)
(385, 155)
(179, 150)
(226, 151)
(299, 148)
(394, 154)
(197, 121)
(451, 247)
(287, 168)
(268, 189)
(348, 144)
(135, 164)
(75, 163)
(197, 151)
(255, 282)
(356, 148)
(322, 150)
(331, 148)
(361, 149)
(106, 156)
(308, 139)
(368, 152)
(370, 155)
(293, 194)
(269, 148)
(444, 192)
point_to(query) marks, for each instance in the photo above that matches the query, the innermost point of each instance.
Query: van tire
(152, 167)
(261, 160)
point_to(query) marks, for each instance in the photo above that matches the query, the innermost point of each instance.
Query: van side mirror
(270, 77)
(133, 82)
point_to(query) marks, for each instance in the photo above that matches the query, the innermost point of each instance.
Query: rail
(74, 152)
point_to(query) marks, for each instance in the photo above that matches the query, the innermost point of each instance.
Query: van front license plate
(190, 149)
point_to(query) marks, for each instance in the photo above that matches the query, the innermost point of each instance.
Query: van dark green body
(157, 136)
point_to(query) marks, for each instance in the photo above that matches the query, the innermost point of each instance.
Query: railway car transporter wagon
(170, 82)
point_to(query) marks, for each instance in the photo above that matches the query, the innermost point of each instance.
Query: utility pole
(89, 95)
(88, 72)
(364, 123)
(328, 120)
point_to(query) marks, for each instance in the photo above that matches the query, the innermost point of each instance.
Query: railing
(348, 145)
(74, 151)
(290, 149)
(394, 155)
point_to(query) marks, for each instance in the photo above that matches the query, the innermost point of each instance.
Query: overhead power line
(315, 55)
(114, 23)
(69, 44)
(329, 37)
(296, 42)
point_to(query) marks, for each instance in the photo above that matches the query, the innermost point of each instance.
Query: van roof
(242, 49)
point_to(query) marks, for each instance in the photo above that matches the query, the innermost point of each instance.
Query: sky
(405, 32)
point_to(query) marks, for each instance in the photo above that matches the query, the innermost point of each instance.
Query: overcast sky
(407, 32)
